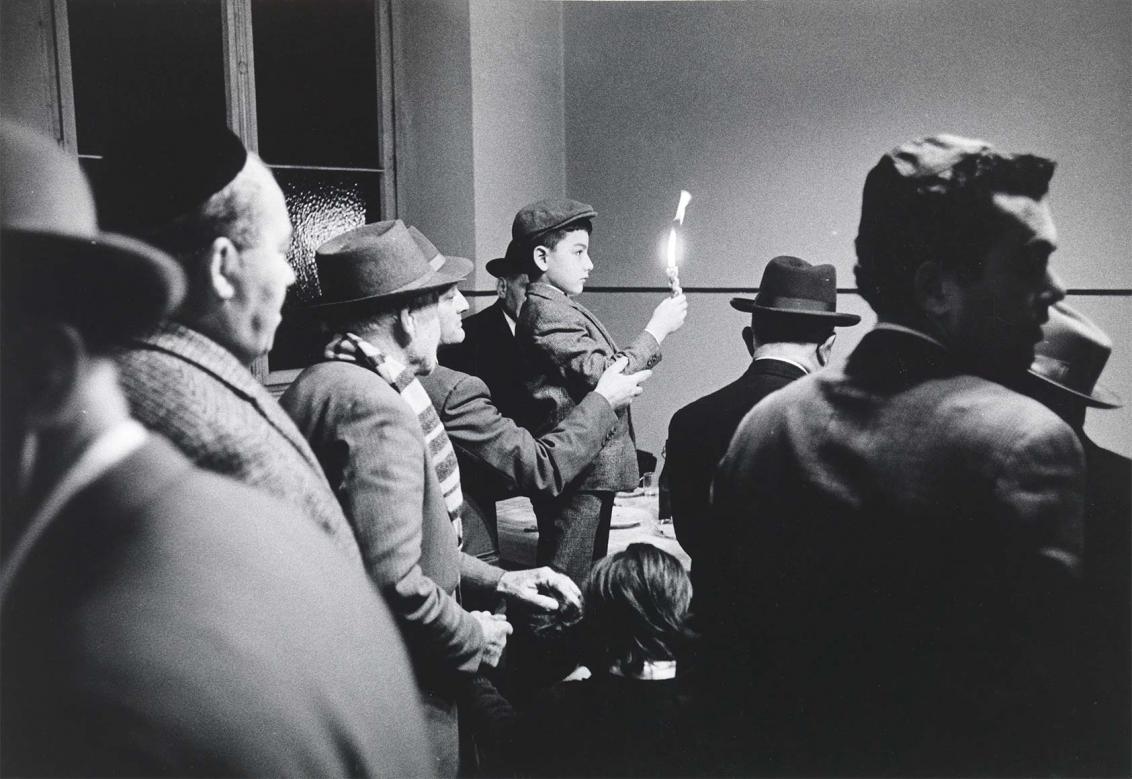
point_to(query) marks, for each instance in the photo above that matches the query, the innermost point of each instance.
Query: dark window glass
(316, 82)
(321, 205)
(136, 60)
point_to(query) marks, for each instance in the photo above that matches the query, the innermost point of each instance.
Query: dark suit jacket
(171, 622)
(898, 542)
(489, 351)
(698, 436)
(563, 350)
(499, 458)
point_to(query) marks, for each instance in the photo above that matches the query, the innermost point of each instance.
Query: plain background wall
(771, 113)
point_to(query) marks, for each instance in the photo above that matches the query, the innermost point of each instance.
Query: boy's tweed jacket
(195, 393)
(563, 350)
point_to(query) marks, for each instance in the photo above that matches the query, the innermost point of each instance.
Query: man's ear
(406, 329)
(55, 368)
(749, 339)
(933, 290)
(542, 258)
(501, 287)
(223, 268)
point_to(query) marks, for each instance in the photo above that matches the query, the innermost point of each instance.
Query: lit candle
(672, 269)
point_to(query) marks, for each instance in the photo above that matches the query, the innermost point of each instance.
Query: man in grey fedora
(903, 532)
(791, 335)
(1065, 377)
(389, 460)
(158, 619)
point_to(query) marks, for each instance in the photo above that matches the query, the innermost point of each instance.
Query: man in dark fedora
(1064, 377)
(390, 461)
(158, 619)
(903, 533)
(193, 190)
(791, 334)
(488, 349)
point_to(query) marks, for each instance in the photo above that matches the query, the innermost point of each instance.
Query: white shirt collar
(507, 318)
(908, 330)
(786, 360)
(651, 671)
(104, 452)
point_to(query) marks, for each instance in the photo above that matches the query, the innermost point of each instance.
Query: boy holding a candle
(563, 350)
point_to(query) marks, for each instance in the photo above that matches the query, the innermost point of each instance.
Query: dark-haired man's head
(954, 240)
(196, 193)
(636, 608)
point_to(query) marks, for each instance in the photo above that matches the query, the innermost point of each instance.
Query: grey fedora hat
(1071, 357)
(377, 261)
(793, 287)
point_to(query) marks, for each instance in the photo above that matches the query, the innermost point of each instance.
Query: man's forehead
(1033, 217)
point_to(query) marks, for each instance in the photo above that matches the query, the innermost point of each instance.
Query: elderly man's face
(512, 291)
(996, 320)
(426, 338)
(452, 304)
(262, 282)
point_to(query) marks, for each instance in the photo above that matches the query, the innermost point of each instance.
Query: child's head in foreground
(636, 609)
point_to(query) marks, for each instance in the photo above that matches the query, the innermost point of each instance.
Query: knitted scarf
(350, 348)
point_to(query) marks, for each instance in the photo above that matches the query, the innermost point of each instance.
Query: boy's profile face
(568, 264)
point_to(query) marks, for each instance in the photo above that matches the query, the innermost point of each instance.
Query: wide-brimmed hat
(378, 261)
(57, 262)
(542, 216)
(510, 264)
(1071, 357)
(445, 263)
(792, 287)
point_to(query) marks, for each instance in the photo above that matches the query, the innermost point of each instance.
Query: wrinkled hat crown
(376, 261)
(546, 215)
(793, 287)
(1072, 355)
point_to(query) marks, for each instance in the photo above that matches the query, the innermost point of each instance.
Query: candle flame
(672, 248)
(685, 196)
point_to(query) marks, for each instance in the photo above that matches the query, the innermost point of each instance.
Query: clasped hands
(542, 589)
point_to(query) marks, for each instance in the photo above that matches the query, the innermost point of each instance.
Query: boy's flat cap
(545, 215)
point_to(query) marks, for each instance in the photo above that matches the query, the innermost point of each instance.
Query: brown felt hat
(510, 264)
(792, 287)
(1071, 356)
(379, 261)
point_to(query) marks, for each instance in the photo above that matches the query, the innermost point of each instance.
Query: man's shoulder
(341, 379)
(445, 385)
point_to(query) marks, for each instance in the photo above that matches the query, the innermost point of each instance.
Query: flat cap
(545, 215)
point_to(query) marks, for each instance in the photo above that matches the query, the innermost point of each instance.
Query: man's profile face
(451, 305)
(568, 264)
(996, 319)
(421, 351)
(264, 278)
(512, 291)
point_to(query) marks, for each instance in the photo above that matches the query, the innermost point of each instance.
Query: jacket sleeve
(563, 337)
(382, 492)
(531, 466)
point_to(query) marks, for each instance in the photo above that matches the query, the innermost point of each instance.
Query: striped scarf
(350, 348)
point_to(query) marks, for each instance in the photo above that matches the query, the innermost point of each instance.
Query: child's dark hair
(636, 608)
(550, 240)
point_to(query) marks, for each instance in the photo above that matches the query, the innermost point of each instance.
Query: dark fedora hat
(792, 287)
(510, 264)
(58, 263)
(1071, 356)
(453, 266)
(377, 261)
(542, 216)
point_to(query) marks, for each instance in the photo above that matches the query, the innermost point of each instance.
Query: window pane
(135, 60)
(321, 206)
(316, 82)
